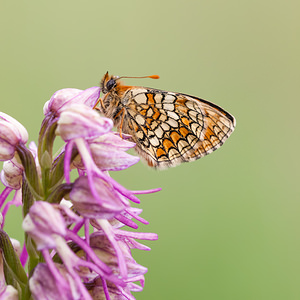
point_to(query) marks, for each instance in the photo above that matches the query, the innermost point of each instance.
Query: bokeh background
(228, 224)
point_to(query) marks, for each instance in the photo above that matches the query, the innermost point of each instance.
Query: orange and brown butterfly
(168, 128)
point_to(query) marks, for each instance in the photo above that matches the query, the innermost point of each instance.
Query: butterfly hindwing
(170, 128)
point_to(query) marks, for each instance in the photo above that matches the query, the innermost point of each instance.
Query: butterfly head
(108, 83)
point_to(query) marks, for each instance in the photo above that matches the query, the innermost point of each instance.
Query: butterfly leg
(101, 101)
(122, 111)
(101, 104)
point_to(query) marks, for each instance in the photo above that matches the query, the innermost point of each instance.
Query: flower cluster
(75, 247)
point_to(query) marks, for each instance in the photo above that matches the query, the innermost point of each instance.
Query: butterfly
(168, 128)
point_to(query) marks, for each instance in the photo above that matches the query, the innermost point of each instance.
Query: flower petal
(66, 97)
(80, 121)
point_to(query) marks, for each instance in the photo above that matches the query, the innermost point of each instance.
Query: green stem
(47, 136)
(33, 254)
(45, 150)
(30, 171)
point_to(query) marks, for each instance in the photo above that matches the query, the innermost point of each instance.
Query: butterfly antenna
(150, 76)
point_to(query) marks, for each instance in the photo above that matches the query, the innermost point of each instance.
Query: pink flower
(62, 263)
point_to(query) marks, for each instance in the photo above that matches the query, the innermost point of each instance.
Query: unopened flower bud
(12, 174)
(11, 134)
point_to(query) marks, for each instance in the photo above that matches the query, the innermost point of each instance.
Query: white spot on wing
(159, 132)
(158, 98)
(172, 123)
(138, 91)
(169, 98)
(173, 154)
(172, 115)
(140, 99)
(139, 119)
(169, 106)
(190, 105)
(165, 126)
(154, 141)
(150, 112)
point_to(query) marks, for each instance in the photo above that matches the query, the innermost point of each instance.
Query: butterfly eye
(110, 84)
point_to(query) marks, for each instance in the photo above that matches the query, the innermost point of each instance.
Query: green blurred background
(228, 224)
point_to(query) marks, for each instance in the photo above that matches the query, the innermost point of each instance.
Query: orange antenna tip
(154, 76)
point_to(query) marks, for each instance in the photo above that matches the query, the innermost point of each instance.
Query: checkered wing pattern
(170, 128)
